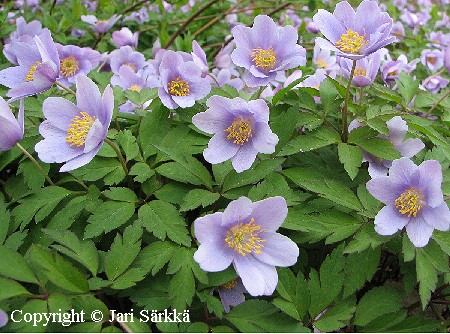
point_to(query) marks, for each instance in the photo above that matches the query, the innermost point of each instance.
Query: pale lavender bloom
(100, 26)
(75, 61)
(156, 47)
(314, 81)
(439, 39)
(365, 72)
(78, 33)
(399, 3)
(141, 16)
(91, 5)
(223, 59)
(75, 133)
(323, 59)
(290, 15)
(311, 26)
(443, 23)
(353, 34)
(413, 198)
(434, 84)
(245, 235)
(38, 67)
(266, 49)
(125, 37)
(3, 318)
(199, 57)
(11, 129)
(398, 31)
(432, 59)
(126, 56)
(223, 77)
(181, 81)
(390, 71)
(241, 130)
(397, 130)
(447, 58)
(232, 294)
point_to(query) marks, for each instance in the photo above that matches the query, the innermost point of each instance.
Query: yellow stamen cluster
(321, 63)
(244, 239)
(392, 74)
(230, 285)
(351, 42)
(410, 202)
(240, 131)
(30, 74)
(69, 66)
(135, 88)
(360, 71)
(264, 58)
(131, 65)
(79, 128)
(178, 87)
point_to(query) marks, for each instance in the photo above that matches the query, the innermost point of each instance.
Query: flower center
(178, 87)
(431, 59)
(410, 202)
(240, 131)
(230, 285)
(135, 88)
(264, 58)
(131, 65)
(79, 128)
(30, 74)
(351, 42)
(321, 63)
(360, 71)
(69, 66)
(392, 74)
(244, 239)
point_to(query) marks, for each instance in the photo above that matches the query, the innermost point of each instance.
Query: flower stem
(122, 161)
(36, 163)
(438, 102)
(345, 107)
(65, 88)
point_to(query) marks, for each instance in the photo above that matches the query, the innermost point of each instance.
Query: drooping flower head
(11, 129)
(240, 129)
(232, 294)
(245, 235)
(413, 198)
(366, 69)
(353, 34)
(181, 81)
(434, 83)
(266, 49)
(75, 133)
(124, 37)
(38, 67)
(100, 26)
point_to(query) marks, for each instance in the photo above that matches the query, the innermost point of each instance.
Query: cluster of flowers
(245, 233)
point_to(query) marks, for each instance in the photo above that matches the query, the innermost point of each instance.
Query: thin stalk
(345, 107)
(361, 94)
(213, 21)
(438, 102)
(122, 161)
(65, 88)
(36, 163)
(214, 78)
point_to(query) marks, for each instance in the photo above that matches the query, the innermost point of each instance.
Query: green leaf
(32, 176)
(335, 317)
(13, 265)
(11, 288)
(379, 147)
(295, 292)
(176, 171)
(83, 251)
(123, 251)
(376, 303)
(260, 316)
(141, 171)
(365, 238)
(121, 194)
(198, 197)
(163, 220)
(324, 291)
(154, 257)
(59, 271)
(415, 325)
(407, 86)
(312, 140)
(108, 169)
(351, 157)
(328, 94)
(283, 125)
(332, 190)
(443, 240)
(107, 217)
(5, 220)
(128, 142)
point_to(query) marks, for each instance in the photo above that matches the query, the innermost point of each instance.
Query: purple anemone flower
(432, 59)
(266, 49)
(390, 70)
(38, 67)
(434, 84)
(100, 26)
(324, 59)
(181, 81)
(232, 294)
(245, 235)
(3, 318)
(125, 37)
(126, 56)
(353, 34)
(75, 61)
(11, 129)
(413, 198)
(199, 57)
(397, 130)
(75, 133)
(223, 77)
(447, 57)
(366, 69)
(240, 129)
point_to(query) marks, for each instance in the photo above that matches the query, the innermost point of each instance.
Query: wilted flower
(432, 59)
(100, 26)
(240, 129)
(353, 34)
(75, 133)
(397, 130)
(245, 235)
(125, 37)
(38, 67)
(11, 129)
(413, 198)
(3, 318)
(181, 81)
(232, 294)
(266, 49)
(365, 71)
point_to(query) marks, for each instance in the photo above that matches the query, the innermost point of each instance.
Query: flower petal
(419, 232)
(220, 149)
(278, 250)
(237, 210)
(438, 217)
(244, 158)
(270, 213)
(208, 228)
(389, 220)
(258, 278)
(213, 257)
